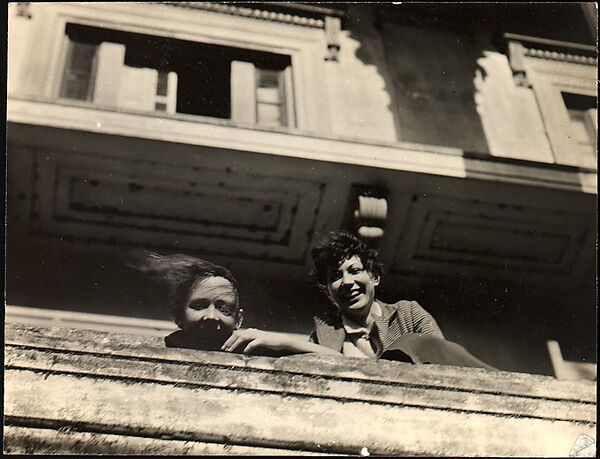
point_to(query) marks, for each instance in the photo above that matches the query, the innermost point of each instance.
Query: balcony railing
(79, 391)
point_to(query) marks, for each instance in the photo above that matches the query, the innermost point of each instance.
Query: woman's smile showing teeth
(351, 287)
(353, 296)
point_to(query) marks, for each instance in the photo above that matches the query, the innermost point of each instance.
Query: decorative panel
(174, 205)
(486, 239)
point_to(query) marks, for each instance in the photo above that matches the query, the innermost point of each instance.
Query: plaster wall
(392, 82)
(511, 118)
(432, 73)
(360, 98)
(20, 29)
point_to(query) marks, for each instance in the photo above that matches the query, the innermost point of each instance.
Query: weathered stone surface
(111, 391)
(305, 384)
(137, 346)
(23, 440)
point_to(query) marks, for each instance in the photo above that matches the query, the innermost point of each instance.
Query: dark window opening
(144, 72)
(583, 120)
(579, 102)
(161, 89)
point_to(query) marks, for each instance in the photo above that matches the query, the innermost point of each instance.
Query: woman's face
(212, 301)
(352, 288)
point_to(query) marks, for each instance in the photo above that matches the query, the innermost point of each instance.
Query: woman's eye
(199, 304)
(225, 308)
(334, 276)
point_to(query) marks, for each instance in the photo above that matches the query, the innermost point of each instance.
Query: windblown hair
(338, 246)
(181, 272)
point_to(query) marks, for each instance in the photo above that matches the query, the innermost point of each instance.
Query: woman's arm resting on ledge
(246, 340)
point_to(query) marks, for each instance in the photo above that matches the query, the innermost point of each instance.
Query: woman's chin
(358, 309)
(208, 334)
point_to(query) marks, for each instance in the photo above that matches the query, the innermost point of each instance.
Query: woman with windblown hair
(204, 299)
(205, 306)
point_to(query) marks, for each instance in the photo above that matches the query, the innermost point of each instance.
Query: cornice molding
(564, 57)
(523, 45)
(254, 13)
(520, 47)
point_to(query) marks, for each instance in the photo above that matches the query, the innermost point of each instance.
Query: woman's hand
(248, 339)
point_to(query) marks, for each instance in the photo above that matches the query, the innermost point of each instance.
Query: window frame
(245, 86)
(549, 79)
(584, 121)
(92, 74)
(282, 103)
(302, 44)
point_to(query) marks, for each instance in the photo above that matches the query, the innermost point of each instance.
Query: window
(563, 78)
(565, 92)
(261, 95)
(131, 71)
(78, 76)
(583, 121)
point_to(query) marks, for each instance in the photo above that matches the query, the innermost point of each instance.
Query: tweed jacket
(396, 320)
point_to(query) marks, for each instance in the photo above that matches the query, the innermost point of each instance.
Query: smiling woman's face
(352, 288)
(212, 300)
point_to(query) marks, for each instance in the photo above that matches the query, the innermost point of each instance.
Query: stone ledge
(108, 387)
(427, 159)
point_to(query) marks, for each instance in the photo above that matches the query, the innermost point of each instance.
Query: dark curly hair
(181, 272)
(337, 247)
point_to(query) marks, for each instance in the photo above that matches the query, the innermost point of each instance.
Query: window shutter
(591, 123)
(78, 76)
(243, 92)
(165, 99)
(289, 112)
(269, 97)
(110, 61)
(138, 88)
(172, 92)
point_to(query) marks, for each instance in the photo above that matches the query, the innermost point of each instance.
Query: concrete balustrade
(82, 391)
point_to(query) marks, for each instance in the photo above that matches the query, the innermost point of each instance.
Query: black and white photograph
(280, 228)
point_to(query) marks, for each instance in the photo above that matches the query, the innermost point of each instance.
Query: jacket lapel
(331, 336)
(383, 323)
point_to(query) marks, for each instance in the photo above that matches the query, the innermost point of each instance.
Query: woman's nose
(211, 312)
(347, 279)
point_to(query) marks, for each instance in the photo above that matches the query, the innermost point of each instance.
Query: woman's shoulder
(401, 305)
(175, 339)
(414, 316)
(405, 303)
(329, 320)
(328, 316)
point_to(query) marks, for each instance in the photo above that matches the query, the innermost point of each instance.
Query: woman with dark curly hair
(360, 325)
(347, 271)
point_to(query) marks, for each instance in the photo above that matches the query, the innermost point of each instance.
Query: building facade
(458, 139)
